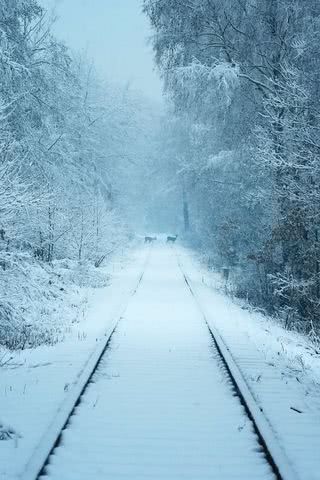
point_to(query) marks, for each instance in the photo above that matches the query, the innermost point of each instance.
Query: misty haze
(159, 239)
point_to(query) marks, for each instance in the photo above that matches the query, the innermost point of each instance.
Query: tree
(244, 72)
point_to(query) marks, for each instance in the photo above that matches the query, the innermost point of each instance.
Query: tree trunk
(186, 219)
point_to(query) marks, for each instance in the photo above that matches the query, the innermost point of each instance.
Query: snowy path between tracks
(282, 368)
(36, 383)
(160, 405)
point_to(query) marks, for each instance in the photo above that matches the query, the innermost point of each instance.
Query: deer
(171, 239)
(149, 239)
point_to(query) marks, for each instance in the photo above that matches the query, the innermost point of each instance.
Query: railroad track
(267, 445)
(274, 453)
(52, 437)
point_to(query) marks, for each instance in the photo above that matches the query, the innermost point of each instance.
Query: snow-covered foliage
(66, 143)
(38, 300)
(247, 71)
(222, 78)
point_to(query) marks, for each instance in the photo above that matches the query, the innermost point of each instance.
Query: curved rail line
(51, 439)
(274, 453)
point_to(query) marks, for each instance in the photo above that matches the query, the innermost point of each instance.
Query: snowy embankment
(282, 368)
(35, 382)
(38, 299)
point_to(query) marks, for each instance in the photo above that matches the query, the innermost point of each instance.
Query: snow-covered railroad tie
(275, 455)
(52, 436)
(165, 401)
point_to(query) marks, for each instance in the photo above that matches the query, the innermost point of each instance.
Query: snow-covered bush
(32, 302)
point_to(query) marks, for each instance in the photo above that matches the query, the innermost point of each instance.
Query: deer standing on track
(171, 239)
(149, 239)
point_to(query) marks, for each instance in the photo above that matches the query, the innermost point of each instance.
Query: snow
(36, 383)
(281, 368)
(160, 406)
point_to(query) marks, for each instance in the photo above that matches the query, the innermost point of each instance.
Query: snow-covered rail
(274, 453)
(163, 401)
(52, 436)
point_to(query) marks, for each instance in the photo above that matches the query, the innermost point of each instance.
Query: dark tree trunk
(186, 219)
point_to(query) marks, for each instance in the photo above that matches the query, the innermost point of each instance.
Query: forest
(230, 162)
(242, 79)
(69, 143)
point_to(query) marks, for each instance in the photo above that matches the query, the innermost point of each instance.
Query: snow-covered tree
(245, 73)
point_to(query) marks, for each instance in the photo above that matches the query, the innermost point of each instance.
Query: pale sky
(114, 34)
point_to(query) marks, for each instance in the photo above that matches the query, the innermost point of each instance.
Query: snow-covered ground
(282, 368)
(160, 398)
(160, 406)
(36, 382)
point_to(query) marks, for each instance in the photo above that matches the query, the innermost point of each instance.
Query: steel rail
(51, 438)
(274, 452)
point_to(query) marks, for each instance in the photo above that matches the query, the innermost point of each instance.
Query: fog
(115, 34)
